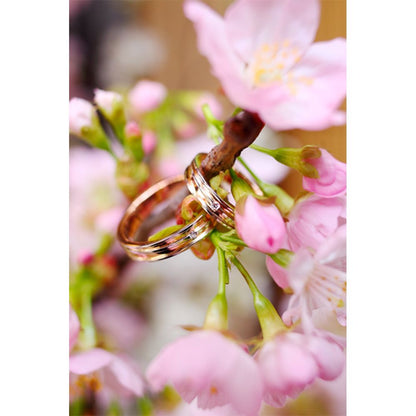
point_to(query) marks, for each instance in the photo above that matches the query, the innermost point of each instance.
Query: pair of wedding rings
(158, 204)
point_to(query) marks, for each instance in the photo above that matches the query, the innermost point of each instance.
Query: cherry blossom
(207, 366)
(318, 280)
(262, 52)
(292, 361)
(313, 219)
(147, 95)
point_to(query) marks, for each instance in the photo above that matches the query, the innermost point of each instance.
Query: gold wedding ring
(151, 211)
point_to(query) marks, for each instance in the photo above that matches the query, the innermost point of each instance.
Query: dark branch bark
(239, 132)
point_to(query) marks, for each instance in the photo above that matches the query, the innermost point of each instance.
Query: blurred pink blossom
(101, 371)
(207, 366)
(192, 409)
(96, 203)
(332, 179)
(146, 96)
(108, 374)
(313, 219)
(132, 129)
(122, 326)
(213, 104)
(106, 99)
(292, 361)
(149, 141)
(259, 224)
(81, 113)
(262, 52)
(318, 280)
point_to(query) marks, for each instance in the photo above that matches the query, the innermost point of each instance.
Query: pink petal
(81, 113)
(250, 24)
(287, 367)
(89, 361)
(124, 326)
(319, 81)
(226, 65)
(278, 273)
(313, 219)
(207, 365)
(332, 179)
(127, 377)
(334, 251)
(147, 95)
(260, 225)
(329, 356)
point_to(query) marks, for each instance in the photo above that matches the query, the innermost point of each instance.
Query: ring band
(152, 209)
(211, 202)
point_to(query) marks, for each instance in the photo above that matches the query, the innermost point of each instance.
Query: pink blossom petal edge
(278, 273)
(332, 179)
(250, 24)
(207, 366)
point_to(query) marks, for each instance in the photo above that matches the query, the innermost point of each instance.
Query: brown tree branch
(239, 132)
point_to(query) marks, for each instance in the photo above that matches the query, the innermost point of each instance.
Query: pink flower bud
(147, 95)
(332, 179)
(81, 114)
(106, 100)
(149, 141)
(259, 224)
(85, 257)
(132, 129)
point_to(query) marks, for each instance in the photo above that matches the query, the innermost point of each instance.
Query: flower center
(328, 286)
(272, 63)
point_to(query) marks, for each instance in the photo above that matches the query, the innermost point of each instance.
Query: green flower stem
(234, 240)
(87, 336)
(283, 201)
(215, 127)
(217, 314)
(269, 152)
(270, 321)
(224, 277)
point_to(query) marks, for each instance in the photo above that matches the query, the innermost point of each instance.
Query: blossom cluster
(263, 54)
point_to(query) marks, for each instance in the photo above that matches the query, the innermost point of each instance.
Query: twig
(239, 132)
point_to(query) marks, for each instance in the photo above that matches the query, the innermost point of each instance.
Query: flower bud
(299, 159)
(216, 317)
(111, 106)
(146, 96)
(259, 224)
(133, 140)
(84, 123)
(239, 187)
(149, 141)
(130, 175)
